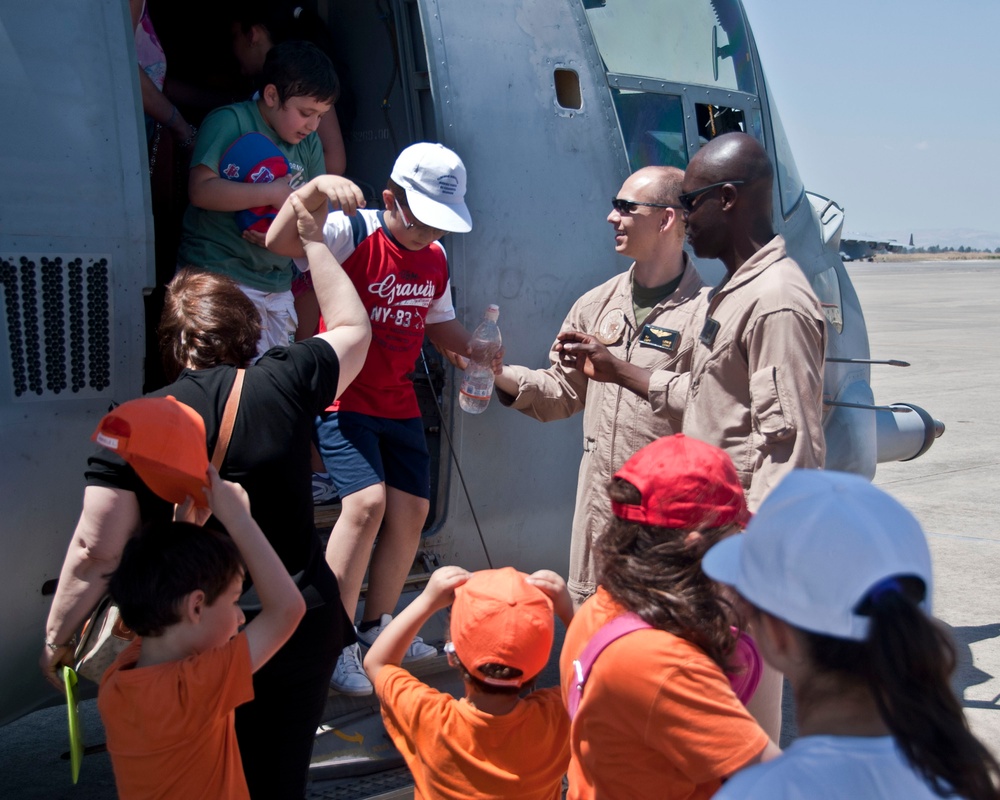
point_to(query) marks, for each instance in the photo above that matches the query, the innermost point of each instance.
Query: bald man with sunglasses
(755, 384)
(647, 317)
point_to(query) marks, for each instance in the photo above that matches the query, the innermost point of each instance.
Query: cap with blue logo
(433, 178)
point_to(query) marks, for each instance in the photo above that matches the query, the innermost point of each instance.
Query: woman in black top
(208, 329)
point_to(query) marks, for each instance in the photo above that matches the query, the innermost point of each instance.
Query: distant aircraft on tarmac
(551, 103)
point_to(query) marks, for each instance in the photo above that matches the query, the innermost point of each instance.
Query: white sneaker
(323, 489)
(349, 676)
(418, 650)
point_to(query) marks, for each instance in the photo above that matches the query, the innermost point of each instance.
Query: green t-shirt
(212, 239)
(645, 299)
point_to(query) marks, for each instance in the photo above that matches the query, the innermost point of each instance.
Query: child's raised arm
(348, 330)
(282, 606)
(321, 193)
(391, 644)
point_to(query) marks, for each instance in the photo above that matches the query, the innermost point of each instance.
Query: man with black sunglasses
(756, 382)
(755, 385)
(647, 319)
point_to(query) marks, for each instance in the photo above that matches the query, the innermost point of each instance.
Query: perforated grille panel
(57, 317)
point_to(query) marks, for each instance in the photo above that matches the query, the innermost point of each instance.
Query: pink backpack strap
(609, 632)
(746, 666)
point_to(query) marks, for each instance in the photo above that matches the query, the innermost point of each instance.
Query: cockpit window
(683, 41)
(716, 120)
(653, 128)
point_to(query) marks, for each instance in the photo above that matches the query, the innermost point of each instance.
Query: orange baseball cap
(500, 618)
(164, 442)
(684, 484)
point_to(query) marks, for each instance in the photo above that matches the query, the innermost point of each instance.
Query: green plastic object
(73, 715)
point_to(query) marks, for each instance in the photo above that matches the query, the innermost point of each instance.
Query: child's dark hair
(163, 564)
(300, 69)
(283, 20)
(906, 663)
(499, 671)
(656, 574)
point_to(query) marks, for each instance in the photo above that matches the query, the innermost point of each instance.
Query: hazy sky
(892, 107)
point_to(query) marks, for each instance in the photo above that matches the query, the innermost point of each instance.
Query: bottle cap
(492, 312)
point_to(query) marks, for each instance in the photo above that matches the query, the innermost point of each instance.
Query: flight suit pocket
(768, 407)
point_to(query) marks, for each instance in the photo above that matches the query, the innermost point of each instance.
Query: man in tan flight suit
(648, 316)
(755, 387)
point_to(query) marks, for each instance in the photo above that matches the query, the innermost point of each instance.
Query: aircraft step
(325, 516)
(393, 784)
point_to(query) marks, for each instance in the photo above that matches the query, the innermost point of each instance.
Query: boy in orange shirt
(168, 701)
(492, 743)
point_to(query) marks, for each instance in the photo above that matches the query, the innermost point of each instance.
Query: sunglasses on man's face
(687, 199)
(631, 206)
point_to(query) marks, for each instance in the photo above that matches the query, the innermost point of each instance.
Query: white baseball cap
(819, 544)
(434, 178)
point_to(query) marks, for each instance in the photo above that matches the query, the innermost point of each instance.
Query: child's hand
(554, 586)
(189, 512)
(455, 359)
(229, 501)
(255, 237)
(440, 591)
(341, 193)
(310, 229)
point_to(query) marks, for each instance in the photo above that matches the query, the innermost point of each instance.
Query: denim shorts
(360, 450)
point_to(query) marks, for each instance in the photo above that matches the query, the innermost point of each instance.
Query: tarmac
(943, 318)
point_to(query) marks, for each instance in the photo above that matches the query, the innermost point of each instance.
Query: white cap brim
(454, 218)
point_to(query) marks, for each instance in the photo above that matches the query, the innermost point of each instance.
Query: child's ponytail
(910, 661)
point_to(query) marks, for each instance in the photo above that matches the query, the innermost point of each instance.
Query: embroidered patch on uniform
(660, 338)
(709, 331)
(611, 326)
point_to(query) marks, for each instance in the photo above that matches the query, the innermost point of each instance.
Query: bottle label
(476, 392)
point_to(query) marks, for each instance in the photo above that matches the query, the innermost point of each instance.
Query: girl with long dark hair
(655, 714)
(837, 576)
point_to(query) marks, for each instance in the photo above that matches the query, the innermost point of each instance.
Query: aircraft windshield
(789, 183)
(682, 41)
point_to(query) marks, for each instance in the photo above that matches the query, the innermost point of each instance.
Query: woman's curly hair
(206, 321)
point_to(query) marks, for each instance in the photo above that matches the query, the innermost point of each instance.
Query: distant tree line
(936, 248)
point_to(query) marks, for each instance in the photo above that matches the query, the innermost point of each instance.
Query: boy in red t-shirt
(372, 439)
(492, 743)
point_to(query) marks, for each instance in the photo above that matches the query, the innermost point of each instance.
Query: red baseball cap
(164, 442)
(684, 484)
(500, 618)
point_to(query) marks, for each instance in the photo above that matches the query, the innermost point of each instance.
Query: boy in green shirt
(300, 85)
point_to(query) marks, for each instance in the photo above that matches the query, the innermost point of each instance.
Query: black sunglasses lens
(622, 206)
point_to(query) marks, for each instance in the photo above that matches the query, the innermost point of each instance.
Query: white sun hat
(434, 179)
(819, 544)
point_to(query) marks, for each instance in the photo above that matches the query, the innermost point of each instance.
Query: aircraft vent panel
(57, 321)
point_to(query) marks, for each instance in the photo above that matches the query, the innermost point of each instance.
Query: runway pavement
(940, 316)
(943, 318)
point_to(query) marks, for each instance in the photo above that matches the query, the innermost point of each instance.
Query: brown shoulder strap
(228, 418)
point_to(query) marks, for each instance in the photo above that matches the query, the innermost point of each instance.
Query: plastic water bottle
(477, 380)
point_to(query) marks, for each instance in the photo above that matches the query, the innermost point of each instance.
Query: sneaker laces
(350, 660)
